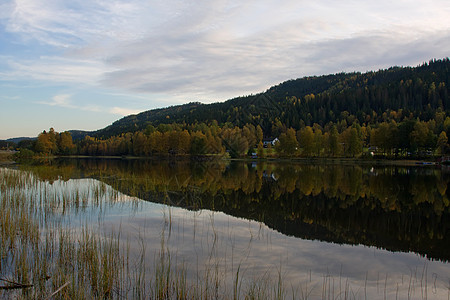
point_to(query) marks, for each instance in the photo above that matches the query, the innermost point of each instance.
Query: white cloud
(123, 111)
(205, 54)
(211, 50)
(62, 100)
(66, 101)
(375, 51)
(79, 22)
(9, 98)
(53, 69)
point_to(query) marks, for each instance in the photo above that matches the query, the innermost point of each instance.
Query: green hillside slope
(414, 91)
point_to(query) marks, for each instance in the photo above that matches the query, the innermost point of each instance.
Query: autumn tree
(89, 146)
(355, 143)
(317, 142)
(198, 144)
(442, 143)
(259, 134)
(47, 142)
(43, 143)
(140, 147)
(306, 140)
(53, 137)
(422, 136)
(214, 144)
(65, 143)
(403, 136)
(249, 132)
(235, 142)
(159, 143)
(287, 145)
(173, 141)
(333, 142)
(384, 136)
(260, 150)
(184, 142)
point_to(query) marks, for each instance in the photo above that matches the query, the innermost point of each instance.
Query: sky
(83, 64)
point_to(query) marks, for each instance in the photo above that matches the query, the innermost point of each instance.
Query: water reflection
(395, 208)
(220, 218)
(206, 242)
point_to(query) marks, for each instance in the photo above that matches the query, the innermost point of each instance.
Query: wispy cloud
(64, 24)
(53, 69)
(123, 111)
(9, 98)
(62, 100)
(208, 66)
(65, 101)
(219, 49)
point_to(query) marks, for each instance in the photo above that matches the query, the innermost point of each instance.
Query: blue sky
(82, 64)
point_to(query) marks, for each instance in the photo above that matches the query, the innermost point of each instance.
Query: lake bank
(7, 158)
(344, 160)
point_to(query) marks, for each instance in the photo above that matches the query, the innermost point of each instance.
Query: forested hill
(368, 98)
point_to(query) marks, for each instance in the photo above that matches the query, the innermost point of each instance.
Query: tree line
(49, 143)
(400, 111)
(398, 136)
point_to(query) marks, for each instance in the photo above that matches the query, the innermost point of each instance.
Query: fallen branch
(14, 285)
(58, 290)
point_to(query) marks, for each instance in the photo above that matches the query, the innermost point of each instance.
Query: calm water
(327, 230)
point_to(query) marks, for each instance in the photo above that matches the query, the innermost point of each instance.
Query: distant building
(268, 141)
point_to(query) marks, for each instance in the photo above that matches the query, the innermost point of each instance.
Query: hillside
(411, 91)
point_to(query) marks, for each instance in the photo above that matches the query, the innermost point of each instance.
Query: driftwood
(58, 290)
(14, 285)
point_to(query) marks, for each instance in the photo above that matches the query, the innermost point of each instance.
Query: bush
(24, 153)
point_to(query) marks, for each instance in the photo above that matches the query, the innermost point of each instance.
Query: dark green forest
(366, 98)
(396, 112)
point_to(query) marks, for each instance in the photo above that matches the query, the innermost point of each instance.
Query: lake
(227, 229)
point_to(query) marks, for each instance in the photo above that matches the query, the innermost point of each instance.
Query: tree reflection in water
(391, 207)
(329, 206)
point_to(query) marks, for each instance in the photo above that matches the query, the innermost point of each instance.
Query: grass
(43, 255)
(6, 156)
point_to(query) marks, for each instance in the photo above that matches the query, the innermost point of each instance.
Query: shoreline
(7, 159)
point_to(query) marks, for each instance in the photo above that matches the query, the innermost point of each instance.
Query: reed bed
(42, 256)
(50, 249)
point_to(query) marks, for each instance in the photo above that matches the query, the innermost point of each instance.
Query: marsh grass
(42, 255)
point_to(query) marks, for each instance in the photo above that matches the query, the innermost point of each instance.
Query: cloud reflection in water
(206, 241)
